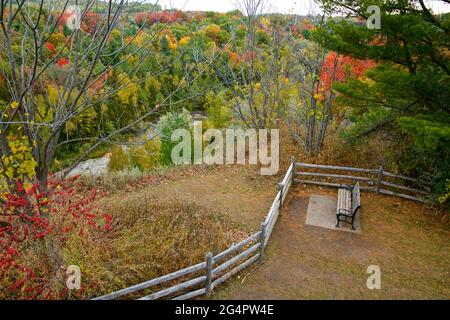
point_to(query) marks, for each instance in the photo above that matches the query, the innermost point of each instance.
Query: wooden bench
(348, 204)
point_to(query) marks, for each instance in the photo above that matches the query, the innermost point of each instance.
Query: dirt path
(307, 262)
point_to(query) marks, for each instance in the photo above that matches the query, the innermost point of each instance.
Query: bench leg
(353, 227)
(338, 221)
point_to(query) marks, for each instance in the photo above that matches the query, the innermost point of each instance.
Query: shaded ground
(307, 262)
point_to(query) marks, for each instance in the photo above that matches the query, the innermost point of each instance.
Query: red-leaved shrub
(34, 227)
(339, 67)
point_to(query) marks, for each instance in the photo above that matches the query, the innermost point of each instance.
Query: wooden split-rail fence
(373, 180)
(201, 279)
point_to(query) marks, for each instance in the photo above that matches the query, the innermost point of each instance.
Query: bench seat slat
(348, 199)
(339, 202)
(339, 199)
(344, 200)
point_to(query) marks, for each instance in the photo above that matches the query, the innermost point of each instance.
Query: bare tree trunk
(255, 107)
(310, 123)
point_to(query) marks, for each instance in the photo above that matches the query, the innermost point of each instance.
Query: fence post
(262, 239)
(209, 263)
(293, 170)
(380, 179)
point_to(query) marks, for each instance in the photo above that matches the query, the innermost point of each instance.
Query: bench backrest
(356, 198)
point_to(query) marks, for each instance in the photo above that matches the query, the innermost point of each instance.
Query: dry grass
(371, 152)
(135, 179)
(150, 238)
(161, 223)
(114, 180)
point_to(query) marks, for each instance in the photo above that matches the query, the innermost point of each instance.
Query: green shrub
(119, 160)
(219, 114)
(444, 199)
(166, 126)
(146, 157)
(153, 149)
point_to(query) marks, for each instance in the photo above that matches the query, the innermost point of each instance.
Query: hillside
(135, 140)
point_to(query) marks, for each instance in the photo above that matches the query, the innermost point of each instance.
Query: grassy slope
(166, 222)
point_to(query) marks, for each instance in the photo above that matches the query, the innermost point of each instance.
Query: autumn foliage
(247, 57)
(34, 227)
(60, 62)
(147, 19)
(89, 21)
(339, 68)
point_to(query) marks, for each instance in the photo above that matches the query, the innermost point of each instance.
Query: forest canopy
(65, 92)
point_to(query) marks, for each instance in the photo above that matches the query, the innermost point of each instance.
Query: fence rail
(374, 180)
(203, 277)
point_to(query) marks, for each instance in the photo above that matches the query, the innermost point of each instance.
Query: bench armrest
(346, 186)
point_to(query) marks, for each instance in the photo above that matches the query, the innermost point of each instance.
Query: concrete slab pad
(322, 213)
